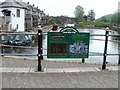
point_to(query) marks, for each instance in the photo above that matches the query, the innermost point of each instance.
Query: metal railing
(40, 48)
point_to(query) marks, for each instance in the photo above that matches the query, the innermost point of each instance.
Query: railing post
(1, 47)
(119, 60)
(119, 51)
(40, 57)
(83, 60)
(105, 50)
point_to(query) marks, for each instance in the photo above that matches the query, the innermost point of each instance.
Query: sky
(67, 7)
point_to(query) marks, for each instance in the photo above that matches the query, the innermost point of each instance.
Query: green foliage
(85, 17)
(51, 20)
(96, 23)
(115, 18)
(91, 15)
(105, 19)
(57, 22)
(79, 12)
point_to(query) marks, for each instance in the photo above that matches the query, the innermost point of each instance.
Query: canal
(96, 48)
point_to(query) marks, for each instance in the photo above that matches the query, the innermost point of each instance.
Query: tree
(91, 15)
(85, 17)
(79, 13)
(104, 19)
(116, 18)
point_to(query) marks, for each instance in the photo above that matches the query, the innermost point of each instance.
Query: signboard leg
(83, 60)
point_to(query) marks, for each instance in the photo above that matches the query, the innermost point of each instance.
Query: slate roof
(12, 3)
(18, 4)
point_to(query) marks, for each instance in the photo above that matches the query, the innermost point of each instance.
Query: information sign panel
(68, 43)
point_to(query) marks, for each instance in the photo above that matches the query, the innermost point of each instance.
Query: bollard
(83, 60)
(40, 57)
(105, 50)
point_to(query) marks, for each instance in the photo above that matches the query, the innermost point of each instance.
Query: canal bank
(58, 74)
(96, 48)
(73, 75)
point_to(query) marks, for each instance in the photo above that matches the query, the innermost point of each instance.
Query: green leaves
(79, 12)
(116, 18)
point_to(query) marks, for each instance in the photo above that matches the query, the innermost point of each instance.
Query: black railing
(40, 48)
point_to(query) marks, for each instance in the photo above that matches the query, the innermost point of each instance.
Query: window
(18, 12)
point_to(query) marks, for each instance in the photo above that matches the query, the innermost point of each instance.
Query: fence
(40, 48)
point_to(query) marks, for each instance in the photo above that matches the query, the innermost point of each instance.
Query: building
(19, 16)
(119, 6)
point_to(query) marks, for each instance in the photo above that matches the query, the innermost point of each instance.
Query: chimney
(37, 6)
(27, 2)
(33, 5)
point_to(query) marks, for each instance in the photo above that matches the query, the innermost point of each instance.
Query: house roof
(16, 4)
(19, 4)
(12, 3)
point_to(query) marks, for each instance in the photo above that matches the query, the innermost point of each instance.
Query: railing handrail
(40, 49)
(27, 33)
(18, 33)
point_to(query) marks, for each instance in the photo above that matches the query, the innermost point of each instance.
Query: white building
(18, 15)
(119, 6)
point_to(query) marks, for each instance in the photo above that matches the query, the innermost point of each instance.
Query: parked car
(22, 40)
(7, 39)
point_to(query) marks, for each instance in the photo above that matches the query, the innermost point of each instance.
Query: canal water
(96, 48)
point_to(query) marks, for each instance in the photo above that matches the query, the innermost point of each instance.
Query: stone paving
(71, 75)
(101, 79)
(0, 74)
(28, 63)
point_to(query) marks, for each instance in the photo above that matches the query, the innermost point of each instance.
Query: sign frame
(68, 43)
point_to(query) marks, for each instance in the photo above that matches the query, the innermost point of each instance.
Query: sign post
(68, 43)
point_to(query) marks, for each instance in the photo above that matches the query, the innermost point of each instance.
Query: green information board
(68, 43)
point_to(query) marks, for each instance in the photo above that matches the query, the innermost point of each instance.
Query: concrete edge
(25, 58)
(56, 70)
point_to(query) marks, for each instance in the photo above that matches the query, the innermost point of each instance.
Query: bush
(92, 23)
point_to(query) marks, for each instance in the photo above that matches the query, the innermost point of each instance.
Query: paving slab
(0, 79)
(26, 70)
(113, 67)
(53, 70)
(7, 69)
(102, 79)
(71, 70)
(97, 69)
(87, 69)
(0, 69)
(34, 70)
(57, 70)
